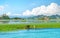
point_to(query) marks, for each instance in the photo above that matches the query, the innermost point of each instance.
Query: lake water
(32, 33)
(25, 22)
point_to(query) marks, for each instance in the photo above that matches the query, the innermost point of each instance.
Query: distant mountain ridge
(42, 16)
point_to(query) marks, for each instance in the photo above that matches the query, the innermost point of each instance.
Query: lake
(26, 21)
(32, 33)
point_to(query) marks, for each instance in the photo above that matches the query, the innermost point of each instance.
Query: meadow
(14, 27)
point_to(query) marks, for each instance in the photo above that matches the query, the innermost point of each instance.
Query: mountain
(42, 16)
(54, 16)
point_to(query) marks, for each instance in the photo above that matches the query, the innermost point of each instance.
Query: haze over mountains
(42, 16)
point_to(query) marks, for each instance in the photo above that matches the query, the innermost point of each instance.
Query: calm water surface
(32, 33)
(27, 21)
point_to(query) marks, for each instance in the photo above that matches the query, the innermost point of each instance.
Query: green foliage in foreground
(11, 27)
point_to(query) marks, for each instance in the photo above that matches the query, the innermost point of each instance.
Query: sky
(22, 8)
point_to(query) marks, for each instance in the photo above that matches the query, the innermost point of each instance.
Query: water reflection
(4, 21)
(27, 21)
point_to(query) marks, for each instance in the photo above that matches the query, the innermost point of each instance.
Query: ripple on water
(38, 33)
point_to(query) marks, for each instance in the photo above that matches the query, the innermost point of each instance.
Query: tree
(17, 18)
(4, 16)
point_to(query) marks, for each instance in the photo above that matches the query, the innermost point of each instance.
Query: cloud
(1, 8)
(27, 12)
(10, 14)
(51, 9)
(17, 14)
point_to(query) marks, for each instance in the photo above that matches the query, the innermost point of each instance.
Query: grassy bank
(11, 27)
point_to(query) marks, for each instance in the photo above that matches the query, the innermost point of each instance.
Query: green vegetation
(12, 27)
(4, 16)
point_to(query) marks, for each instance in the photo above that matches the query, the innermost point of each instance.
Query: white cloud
(17, 14)
(10, 14)
(51, 9)
(1, 8)
(27, 12)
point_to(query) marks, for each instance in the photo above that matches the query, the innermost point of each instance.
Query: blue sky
(19, 6)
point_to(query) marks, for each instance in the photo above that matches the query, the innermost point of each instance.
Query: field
(14, 27)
